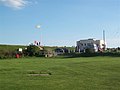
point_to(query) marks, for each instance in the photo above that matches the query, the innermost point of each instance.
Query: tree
(32, 50)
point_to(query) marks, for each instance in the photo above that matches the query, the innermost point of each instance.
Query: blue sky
(63, 22)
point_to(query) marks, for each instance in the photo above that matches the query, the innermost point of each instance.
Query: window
(81, 44)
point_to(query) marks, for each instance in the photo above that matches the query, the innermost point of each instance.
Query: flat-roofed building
(96, 45)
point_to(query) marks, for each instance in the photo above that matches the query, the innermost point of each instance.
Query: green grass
(93, 73)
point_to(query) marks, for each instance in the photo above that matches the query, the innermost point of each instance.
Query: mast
(104, 39)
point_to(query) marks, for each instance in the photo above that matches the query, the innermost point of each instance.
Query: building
(60, 51)
(95, 45)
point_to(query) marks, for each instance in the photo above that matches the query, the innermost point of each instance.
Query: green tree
(32, 50)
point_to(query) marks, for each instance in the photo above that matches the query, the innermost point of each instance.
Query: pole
(38, 27)
(104, 39)
(40, 39)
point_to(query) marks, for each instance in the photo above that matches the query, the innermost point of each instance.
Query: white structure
(20, 50)
(96, 45)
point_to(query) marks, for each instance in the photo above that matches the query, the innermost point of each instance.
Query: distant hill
(14, 47)
(11, 47)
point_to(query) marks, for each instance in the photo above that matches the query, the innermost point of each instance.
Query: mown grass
(93, 73)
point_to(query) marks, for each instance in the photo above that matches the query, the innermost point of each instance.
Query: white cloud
(15, 4)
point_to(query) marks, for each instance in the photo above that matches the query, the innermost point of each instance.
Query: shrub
(6, 54)
(89, 50)
(32, 50)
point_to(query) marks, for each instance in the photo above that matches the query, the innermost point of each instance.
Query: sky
(62, 22)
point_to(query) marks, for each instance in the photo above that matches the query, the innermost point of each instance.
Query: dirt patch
(38, 73)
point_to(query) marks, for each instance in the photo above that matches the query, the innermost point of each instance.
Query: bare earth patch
(38, 73)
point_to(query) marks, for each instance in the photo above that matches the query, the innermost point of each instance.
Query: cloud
(15, 4)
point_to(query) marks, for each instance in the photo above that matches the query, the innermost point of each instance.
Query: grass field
(93, 73)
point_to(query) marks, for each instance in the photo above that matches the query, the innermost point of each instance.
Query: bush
(32, 50)
(89, 50)
(6, 54)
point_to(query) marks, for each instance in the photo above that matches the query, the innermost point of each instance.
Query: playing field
(93, 73)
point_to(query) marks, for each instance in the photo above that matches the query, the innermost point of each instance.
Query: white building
(96, 45)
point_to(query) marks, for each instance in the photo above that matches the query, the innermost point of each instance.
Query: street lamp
(38, 27)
